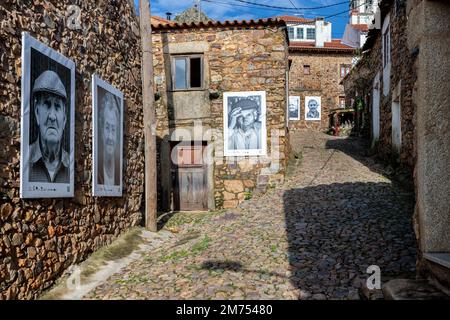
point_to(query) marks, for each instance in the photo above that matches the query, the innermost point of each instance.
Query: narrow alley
(312, 238)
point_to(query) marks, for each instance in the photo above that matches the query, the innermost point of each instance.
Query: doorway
(189, 176)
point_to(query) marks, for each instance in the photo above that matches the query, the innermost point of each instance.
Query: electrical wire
(288, 8)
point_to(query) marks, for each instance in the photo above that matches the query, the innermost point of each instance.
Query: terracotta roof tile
(360, 27)
(157, 20)
(213, 24)
(295, 19)
(333, 45)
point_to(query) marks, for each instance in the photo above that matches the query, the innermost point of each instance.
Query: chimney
(320, 32)
(168, 15)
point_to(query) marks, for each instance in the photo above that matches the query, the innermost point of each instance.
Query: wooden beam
(149, 115)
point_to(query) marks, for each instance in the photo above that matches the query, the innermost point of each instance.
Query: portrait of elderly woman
(109, 139)
(47, 128)
(245, 123)
(108, 136)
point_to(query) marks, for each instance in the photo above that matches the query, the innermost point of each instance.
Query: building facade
(363, 16)
(41, 238)
(405, 94)
(318, 63)
(201, 72)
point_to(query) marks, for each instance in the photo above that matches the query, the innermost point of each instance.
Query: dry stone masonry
(40, 238)
(235, 58)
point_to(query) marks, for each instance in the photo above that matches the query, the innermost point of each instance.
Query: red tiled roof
(360, 27)
(333, 45)
(295, 19)
(156, 20)
(213, 24)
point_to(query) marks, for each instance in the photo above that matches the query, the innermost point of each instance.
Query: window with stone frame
(306, 69)
(310, 33)
(187, 72)
(344, 70)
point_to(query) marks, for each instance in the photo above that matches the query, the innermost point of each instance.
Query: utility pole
(149, 115)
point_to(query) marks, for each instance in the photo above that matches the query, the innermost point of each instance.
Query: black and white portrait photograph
(294, 108)
(107, 106)
(244, 123)
(47, 122)
(312, 108)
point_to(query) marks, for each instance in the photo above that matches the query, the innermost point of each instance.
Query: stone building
(403, 80)
(317, 65)
(220, 57)
(383, 82)
(40, 238)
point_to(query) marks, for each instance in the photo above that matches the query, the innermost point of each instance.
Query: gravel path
(311, 238)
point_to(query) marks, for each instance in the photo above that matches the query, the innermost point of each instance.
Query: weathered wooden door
(189, 177)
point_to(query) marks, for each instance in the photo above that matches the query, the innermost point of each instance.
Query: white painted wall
(320, 33)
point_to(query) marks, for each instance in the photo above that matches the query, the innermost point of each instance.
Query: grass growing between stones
(120, 248)
(196, 248)
(183, 218)
(294, 161)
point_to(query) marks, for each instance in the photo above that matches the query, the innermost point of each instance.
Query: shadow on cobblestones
(336, 231)
(359, 149)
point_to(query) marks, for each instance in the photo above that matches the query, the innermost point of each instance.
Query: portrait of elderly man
(313, 112)
(244, 126)
(294, 106)
(109, 140)
(49, 162)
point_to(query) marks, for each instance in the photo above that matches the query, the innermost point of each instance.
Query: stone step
(409, 289)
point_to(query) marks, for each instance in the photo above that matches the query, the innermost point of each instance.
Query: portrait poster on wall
(312, 108)
(107, 122)
(294, 108)
(47, 122)
(244, 116)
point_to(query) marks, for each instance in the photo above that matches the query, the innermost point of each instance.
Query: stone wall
(235, 59)
(428, 34)
(324, 81)
(40, 238)
(402, 82)
(359, 84)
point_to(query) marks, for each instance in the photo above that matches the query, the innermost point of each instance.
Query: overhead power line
(289, 8)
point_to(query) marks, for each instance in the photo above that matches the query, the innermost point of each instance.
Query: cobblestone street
(311, 238)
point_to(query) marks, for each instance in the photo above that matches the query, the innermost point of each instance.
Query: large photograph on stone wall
(244, 123)
(294, 108)
(107, 106)
(312, 108)
(47, 122)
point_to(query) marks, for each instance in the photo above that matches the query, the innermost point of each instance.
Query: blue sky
(233, 9)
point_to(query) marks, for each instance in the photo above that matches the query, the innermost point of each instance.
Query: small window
(310, 33)
(300, 33)
(342, 102)
(187, 72)
(291, 32)
(306, 69)
(345, 69)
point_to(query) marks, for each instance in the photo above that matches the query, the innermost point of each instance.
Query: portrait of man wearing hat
(49, 162)
(244, 126)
